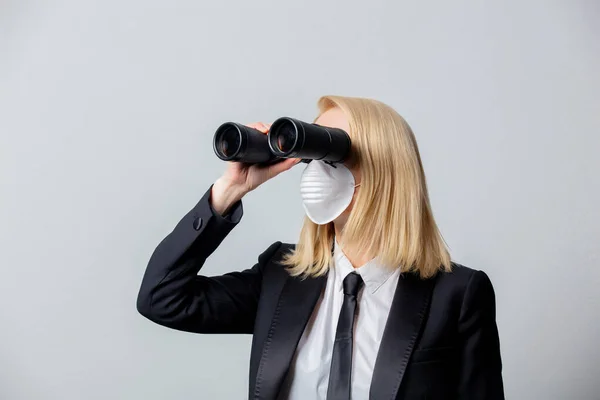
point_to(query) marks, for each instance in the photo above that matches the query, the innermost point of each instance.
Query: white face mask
(326, 191)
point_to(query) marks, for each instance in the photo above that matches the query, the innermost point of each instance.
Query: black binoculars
(287, 138)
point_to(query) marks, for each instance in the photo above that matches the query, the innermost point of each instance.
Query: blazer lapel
(403, 327)
(294, 308)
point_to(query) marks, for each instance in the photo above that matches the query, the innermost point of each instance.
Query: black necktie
(341, 360)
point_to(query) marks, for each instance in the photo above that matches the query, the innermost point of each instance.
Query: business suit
(440, 341)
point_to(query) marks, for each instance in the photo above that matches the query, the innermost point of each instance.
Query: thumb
(284, 165)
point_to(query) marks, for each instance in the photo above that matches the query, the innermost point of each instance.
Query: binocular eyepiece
(287, 138)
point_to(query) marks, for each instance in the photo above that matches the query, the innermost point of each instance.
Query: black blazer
(440, 340)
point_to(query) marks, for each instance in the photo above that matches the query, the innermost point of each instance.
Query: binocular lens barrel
(230, 141)
(237, 142)
(287, 138)
(292, 138)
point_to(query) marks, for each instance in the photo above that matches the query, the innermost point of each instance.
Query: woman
(366, 305)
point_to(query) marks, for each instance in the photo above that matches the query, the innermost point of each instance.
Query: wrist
(224, 195)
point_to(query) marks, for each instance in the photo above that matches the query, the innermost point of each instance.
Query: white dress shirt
(308, 376)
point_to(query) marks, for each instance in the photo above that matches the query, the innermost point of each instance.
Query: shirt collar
(373, 273)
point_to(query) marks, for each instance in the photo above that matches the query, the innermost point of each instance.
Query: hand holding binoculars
(287, 138)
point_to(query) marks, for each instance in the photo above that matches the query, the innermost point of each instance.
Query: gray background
(107, 111)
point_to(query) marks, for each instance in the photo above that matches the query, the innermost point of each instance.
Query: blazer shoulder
(270, 253)
(460, 272)
(282, 250)
(270, 259)
(460, 277)
(288, 246)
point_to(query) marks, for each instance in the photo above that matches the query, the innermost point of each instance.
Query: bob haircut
(391, 218)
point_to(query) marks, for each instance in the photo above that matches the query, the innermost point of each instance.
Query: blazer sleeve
(481, 366)
(172, 293)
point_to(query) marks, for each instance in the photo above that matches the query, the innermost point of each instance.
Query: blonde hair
(391, 218)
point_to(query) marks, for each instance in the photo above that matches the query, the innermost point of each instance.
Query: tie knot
(352, 283)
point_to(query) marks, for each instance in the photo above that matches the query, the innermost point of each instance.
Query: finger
(258, 126)
(284, 165)
(265, 127)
